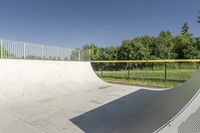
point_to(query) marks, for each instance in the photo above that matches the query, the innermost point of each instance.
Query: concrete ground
(52, 114)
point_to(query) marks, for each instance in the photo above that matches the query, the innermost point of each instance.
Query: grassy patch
(150, 78)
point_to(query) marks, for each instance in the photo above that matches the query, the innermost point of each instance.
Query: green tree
(109, 53)
(186, 47)
(164, 45)
(133, 50)
(93, 51)
(198, 42)
(185, 29)
(6, 54)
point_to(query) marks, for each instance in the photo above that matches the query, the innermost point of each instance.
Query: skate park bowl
(52, 96)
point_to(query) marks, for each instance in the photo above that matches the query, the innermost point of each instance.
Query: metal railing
(22, 50)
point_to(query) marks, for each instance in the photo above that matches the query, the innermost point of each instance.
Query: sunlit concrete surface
(67, 97)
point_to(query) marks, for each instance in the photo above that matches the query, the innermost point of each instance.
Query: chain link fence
(151, 74)
(21, 50)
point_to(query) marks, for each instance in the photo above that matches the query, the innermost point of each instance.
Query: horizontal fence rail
(148, 61)
(21, 50)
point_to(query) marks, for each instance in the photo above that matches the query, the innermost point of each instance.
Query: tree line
(164, 46)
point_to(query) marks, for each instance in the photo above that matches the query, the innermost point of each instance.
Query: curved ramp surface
(67, 97)
(22, 78)
(144, 111)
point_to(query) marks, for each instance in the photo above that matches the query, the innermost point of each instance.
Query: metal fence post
(42, 51)
(79, 54)
(24, 51)
(89, 54)
(101, 71)
(1, 48)
(165, 72)
(57, 53)
(129, 72)
(69, 54)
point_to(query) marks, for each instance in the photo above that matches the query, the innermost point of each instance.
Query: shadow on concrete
(106, 118)
(143, 111)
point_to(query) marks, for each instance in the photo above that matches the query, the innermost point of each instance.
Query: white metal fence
(22, 50)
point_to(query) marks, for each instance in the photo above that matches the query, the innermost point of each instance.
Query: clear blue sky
(73, 23)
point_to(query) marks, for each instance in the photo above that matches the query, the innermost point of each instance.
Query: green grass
(150, 78)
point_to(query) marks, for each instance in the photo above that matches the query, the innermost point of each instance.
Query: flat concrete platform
(67, 97)
(53, 114)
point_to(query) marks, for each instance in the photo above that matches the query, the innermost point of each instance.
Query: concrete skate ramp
(24, 78)
(146, 111)
(67, 97)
